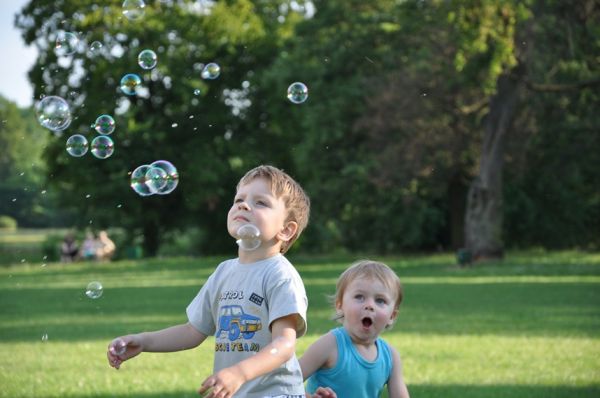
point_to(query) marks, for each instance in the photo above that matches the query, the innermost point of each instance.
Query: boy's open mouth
(367, 322)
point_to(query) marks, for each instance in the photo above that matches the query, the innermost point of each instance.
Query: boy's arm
(396, 386)
(321, 354)
(174, 338)
(227, 381)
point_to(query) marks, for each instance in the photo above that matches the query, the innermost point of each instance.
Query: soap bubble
(66, 43)
(172, 176)
(95, 48)
(53, 113)
(138, 180)
(118, 347)
(197, 91)
(248, 237)
(77, 145)
(147, 59)
(129, 83)
(211, 71)
(94, 290)
(133, 9)
(105, 124)
(45, 337)
(297, 92)
(102, 147)
(156, 179)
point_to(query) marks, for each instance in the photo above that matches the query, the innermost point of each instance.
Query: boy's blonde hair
(370, 270)
(285, 187)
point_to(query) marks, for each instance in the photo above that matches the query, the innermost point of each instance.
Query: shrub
(8, 223)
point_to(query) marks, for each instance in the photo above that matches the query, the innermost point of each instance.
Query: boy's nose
(243, 205)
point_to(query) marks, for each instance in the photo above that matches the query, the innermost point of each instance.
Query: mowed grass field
(525, 327)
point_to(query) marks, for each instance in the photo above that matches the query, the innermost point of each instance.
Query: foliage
(385, 145)
(8, 223)
(527, 314)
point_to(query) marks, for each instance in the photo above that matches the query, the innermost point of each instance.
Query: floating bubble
(156, 179)
(172, 176)
(297, 92)
(138, 180)
(66, 43)
(95, 48)
(197, 91)
(77, 145)
(102, 147)
(129, 83)
(211, 71)
(53, 113)
(45, 337)
(147, 59)
(94, 290)
(248, 237)
(105, 124)
(133, 9)
(118, 347)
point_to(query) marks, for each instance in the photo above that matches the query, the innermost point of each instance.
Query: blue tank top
(353, 376)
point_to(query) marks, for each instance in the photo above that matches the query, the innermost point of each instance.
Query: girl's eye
(359, 297)
(381, 301)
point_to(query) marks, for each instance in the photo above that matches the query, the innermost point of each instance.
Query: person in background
(254, 305)
(105, 247)
(89, 246)
(69, 249)
(352, 360)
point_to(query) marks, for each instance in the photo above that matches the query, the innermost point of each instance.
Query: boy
(255, 304)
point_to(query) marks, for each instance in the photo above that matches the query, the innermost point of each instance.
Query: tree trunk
(484, 215)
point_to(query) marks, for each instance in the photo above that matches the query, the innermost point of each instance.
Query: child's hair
(368, 269)
(285, 187)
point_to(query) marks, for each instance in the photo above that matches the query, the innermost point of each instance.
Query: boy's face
(368, 307)
(254, 203)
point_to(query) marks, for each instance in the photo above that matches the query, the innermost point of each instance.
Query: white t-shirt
(237, 304)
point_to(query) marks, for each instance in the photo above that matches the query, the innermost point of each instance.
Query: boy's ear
(393, 317)
(288, 231)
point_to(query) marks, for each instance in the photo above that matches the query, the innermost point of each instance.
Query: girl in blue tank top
(353, 361)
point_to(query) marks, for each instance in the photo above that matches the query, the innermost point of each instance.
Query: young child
(255, 305)
(353, 360)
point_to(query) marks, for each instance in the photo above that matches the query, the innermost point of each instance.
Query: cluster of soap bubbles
(159, 177)
(102, 146)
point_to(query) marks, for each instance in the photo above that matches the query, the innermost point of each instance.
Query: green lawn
(526, 327)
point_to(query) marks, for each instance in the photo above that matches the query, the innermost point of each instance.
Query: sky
(17, 59)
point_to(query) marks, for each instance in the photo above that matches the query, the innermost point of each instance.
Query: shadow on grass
(427, 391)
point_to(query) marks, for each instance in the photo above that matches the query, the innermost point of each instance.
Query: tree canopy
(387, 143)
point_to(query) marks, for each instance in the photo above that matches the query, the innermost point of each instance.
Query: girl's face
(367, 307)
(254, 203)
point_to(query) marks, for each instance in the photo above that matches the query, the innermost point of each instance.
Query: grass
(525, 327)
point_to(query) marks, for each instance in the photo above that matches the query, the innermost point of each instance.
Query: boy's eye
(381, 301)
(359, 296)
(261, 203)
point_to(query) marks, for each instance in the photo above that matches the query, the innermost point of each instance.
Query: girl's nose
(243, 205)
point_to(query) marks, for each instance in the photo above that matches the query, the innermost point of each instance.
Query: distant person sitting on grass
(352, 360)
(69, 249)
(105, 247)
(89, 246)
(254, 305)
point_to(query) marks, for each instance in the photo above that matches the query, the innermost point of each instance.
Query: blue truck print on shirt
(236, 322)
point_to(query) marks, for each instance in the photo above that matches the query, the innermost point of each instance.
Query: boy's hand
(123, 348)
(323, 392)
(222, 384)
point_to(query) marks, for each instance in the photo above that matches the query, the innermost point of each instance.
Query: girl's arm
(175, 338)
(321, 354)
(282, 347)
(396, 386)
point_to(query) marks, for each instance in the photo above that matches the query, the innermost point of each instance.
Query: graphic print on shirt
(236, 323)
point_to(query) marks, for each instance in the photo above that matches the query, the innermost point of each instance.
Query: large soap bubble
(211, 71)
(66, 43)
(172, 176)
(130, 83)
(102, 147)
(138, 180)
(133, 9)
(104, 124)
(77, 145)
(53, 113)
(248, 237)
(147, 59)
(297, 92)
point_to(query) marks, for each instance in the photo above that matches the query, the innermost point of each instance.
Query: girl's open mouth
(367, 322)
